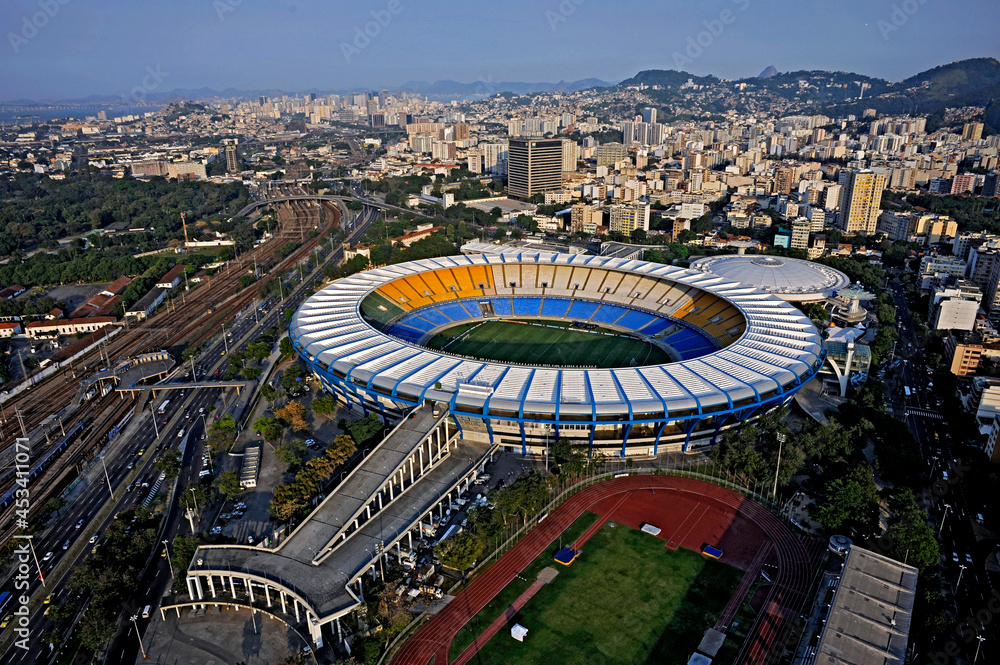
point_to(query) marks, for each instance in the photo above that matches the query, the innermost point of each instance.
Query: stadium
(623, 356)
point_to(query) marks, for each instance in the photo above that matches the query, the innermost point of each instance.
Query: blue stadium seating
(555, 306)
(434, 316)
(502, 306)
(582, 310)
(657, 327)
(608, 314)
(689, 343)
(404, 332)
(454, 311)
(527, 306)
(417, 322)
(636, 320)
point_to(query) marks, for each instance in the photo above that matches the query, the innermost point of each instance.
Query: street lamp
(961, 569)
(777, 467)
(107, 478)
(194, 495)
(947, 507)
(137, 634)
(978, 647)
(166, 548)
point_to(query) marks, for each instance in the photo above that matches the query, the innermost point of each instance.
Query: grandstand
(739, 351)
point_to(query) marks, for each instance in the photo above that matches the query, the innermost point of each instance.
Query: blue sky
(55, 49)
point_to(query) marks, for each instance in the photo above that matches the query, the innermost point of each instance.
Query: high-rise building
(570, 155)
(963, 183)
(972, 131)
(494, 157)
(800, 234)
(783, 178)
(232, 158)
(628, 218)
(609, 154)
(583, 216)
(991, 184)
(649, 115)
(860, 201)
(533, 165)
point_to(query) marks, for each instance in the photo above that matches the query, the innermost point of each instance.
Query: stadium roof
(779, 350)
(794, 280)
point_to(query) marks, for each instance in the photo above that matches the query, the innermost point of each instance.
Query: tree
(270, 428)
(169, 463)
(850, 500)
(228, 484)
(182, 551)
(290, 380)
(324, 406)
(268, 392)
(285, 346)
(461, 551)
(364, 430)
(222, 433)
(294, 413)
(871, 395)
(737, 452)
(912, 540)
(292, 453)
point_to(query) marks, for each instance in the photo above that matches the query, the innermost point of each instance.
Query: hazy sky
(72, 48)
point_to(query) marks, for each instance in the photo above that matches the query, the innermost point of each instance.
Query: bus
(163, 407)
(907, 389)
(4, 599)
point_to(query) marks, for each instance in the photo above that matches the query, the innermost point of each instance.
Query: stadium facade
(737, 351)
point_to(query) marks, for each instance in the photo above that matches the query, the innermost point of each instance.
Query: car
(102, 482)
(93, 550)
(954, 557)
(968, 558)
(238, 513)
(67, 544)
(131, 465)
(201, 409)
(309, 442)
(93, 539)
(250, 539)
(226, 516)
(47, 610)
(48, 598)
(141, 452)
(79, 524)
(216, 530)
(6, 621)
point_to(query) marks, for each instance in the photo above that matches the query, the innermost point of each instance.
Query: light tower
(187, 244)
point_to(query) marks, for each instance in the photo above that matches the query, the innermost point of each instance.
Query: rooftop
(789, 279)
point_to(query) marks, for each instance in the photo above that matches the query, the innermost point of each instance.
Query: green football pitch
(626, 599)
(546, 343)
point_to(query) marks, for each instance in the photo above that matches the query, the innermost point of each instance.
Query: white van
(145, 612)
(180, 435)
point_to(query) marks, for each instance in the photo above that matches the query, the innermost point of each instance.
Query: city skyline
(63, 50)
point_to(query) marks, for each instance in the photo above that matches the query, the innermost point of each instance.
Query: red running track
(733, 520)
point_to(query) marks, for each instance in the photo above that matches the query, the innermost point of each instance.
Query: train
(43, 463)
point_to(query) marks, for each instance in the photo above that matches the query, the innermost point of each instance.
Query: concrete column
(380, 501)
(178, 612)
(411, 470)
(163, 614)
(267, 594)
(190, 583)
(368, 511)
(339, 638)
(295, 601)
(441, 510)
(409, 537)
(284, 608)
(197, 585)
(211, 586)
(391, 497)
(232, 586)
(420, 450)
(249, 589)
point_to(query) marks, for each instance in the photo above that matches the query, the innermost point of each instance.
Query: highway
(947, 466)
(94, 496)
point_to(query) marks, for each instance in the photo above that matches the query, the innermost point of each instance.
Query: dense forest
(37, 211)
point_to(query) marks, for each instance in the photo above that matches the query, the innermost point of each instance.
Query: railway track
(195, 319)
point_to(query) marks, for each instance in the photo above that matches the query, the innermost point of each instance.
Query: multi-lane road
(128, 471)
